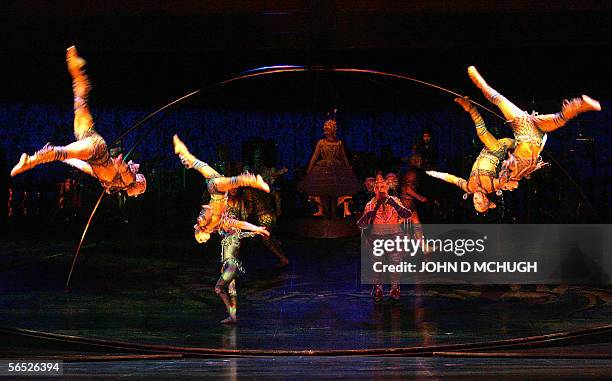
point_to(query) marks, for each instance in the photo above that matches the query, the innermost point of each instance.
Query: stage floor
(346, 368)
(161, 292)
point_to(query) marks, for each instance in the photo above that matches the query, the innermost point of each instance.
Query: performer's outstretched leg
(216, 180)
(88, 141)
(83, 121)
(569, 110)
(190, 161)
(223, 184)
(509, 109)
(458, 181)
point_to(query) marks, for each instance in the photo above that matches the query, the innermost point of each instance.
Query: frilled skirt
(329, 179)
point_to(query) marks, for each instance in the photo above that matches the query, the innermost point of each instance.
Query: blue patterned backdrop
(27, 127)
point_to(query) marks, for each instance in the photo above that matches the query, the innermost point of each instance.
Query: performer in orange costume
(215, 216)
(529, 129)
(89, 153)
(483, 178)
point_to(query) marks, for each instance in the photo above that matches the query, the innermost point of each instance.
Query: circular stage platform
(161, 293)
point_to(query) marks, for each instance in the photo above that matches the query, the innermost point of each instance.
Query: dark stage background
(142, 278)
(144, 54)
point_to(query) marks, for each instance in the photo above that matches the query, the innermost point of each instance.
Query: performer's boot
(250, 180)
(45, 155)
(317, 201)
(491, 94)
(345, 200)
(181, 150)
(80, 82)
(464, 103)
(378, 292)
(575, 106)
(395, 291)
(274, 247)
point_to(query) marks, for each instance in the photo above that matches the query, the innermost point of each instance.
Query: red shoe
(395, 292)
(378, 293)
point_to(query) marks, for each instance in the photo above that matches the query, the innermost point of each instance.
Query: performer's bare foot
(23, 165)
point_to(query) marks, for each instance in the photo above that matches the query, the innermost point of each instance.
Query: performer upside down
(484, 175)
(529, 129)
(215, 216)
(89, 152)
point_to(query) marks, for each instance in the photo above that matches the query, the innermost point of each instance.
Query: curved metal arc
(151, 115)
(268, 70)
(78, 250)
(123, 134)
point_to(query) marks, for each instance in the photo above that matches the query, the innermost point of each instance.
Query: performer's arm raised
(458, 181)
